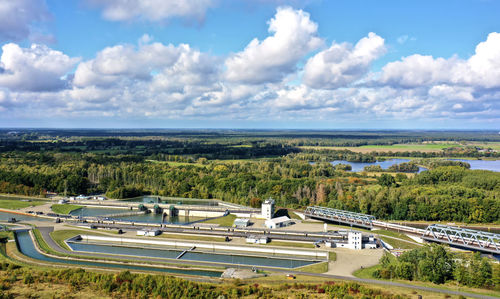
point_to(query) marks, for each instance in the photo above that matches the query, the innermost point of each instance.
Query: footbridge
(345, 217)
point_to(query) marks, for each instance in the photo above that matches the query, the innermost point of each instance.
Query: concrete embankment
(211, 247)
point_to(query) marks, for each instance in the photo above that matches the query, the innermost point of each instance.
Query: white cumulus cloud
(37, 68)
(293, 36)
(343, 64)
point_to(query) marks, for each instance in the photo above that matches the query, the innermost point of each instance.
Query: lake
(493, 165)
(359, 166)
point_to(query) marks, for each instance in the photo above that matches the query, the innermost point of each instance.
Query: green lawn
(367, 273)
(192, 237)
(222, 221)
(64, 208)
(393, 234)
(294, 216)
(332, 256)
(400, 244)
(15, 204)
(315, 268)
(291, 244)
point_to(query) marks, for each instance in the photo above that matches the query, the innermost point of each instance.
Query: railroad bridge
(467, 238)
(345, 217)
(456, 236)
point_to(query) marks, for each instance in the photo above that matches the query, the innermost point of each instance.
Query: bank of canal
(26, 246)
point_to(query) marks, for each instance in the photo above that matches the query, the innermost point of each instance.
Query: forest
(436, 264)
(244, 170)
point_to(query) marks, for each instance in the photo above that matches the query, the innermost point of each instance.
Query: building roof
(279, 219)
(269, 201)
(241, 220)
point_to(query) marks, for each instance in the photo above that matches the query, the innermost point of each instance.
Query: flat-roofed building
(241, 222)
(278, 222)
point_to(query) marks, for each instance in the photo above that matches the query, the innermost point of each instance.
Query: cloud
(293, 36)
(343, 64)
(126, 62)
(37, 68)
(155, 81)
(481, 70)
(152, 10)
(18, 16)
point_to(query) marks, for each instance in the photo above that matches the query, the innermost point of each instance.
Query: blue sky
(250, 64)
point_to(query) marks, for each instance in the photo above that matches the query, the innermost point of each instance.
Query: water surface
(27, 247)
(191, 256)
(359, 166)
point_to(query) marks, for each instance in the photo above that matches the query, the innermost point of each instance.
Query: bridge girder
(340, 216)
(469, 238)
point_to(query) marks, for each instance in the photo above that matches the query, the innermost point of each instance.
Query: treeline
(435, 264)
(445, 193)
(128, 285)
(153, 148)
(321, 154)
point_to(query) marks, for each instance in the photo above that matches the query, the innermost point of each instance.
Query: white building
(268, 208)
(148, 233)
(241, 222)
(354, 241)
(257, 239)
(278, 222)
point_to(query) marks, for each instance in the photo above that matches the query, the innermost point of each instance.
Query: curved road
(45, 231)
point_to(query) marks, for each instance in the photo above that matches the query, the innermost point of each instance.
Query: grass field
(15, 204)
(222, 221)
(64, 208)
(192, 237)
(400, 244)
(315, 268)
(291, 244)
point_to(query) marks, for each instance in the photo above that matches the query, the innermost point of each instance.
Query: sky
(312, 64)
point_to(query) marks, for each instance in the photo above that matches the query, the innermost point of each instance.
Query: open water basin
(148, 218)
(27, 247)
(172, 253)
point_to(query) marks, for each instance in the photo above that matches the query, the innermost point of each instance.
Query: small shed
(241, 222)
(148, 233)
(257, 239)
(278, 222)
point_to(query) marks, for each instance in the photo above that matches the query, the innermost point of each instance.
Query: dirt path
(349, 260)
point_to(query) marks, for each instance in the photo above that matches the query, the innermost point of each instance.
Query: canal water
(147, 218)
(190, 256)
(27, 247)
(6, 216)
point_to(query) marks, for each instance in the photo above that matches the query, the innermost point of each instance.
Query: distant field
(427, 147)
(410, 147)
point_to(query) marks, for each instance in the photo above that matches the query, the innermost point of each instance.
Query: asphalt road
(45, 231)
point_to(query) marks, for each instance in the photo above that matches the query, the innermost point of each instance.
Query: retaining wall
(302, 253)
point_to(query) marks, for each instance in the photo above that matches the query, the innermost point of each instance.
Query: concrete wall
(300, 253)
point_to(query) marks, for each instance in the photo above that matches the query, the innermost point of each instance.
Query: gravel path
(349, 260)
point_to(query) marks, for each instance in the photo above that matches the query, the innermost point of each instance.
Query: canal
(27, 247)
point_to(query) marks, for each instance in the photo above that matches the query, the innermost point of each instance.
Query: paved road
(46, 235)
